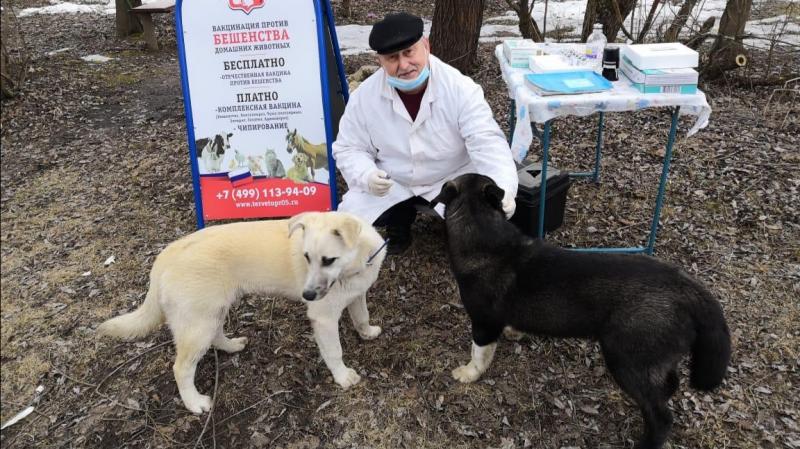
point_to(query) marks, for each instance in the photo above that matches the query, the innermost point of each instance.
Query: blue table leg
(543, 184)
(536, 132)
(594, 174)
(512, 119)
(512, 122)
(663, 183)
(598, 148)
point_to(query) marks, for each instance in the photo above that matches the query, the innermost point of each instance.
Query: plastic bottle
(595, 44)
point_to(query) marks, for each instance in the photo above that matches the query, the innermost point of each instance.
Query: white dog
(329, 259)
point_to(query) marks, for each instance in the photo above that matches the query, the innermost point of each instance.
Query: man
(411, 126)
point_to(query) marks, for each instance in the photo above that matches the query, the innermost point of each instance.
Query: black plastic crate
(526, 216)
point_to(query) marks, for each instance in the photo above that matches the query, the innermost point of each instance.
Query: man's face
(407, 64)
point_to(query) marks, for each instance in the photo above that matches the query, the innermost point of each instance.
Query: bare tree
(14, 59)
(527, 26)
(702, 34)
(679, 21)
(728, 52)
(344, 7)
(610, 13)
(455, 31)
(127, 23)
(648, 22)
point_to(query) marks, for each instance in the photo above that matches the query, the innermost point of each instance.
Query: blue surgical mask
(407, 85)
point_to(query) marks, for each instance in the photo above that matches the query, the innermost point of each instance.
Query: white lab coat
(454, 133)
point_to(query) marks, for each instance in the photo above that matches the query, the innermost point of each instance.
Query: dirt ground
(95, 169)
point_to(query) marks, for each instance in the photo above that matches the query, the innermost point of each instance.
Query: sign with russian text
(256, 95)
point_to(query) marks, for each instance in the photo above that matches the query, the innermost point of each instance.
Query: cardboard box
(686, 89)
(671, 55)
(660, 81)
(658, 76)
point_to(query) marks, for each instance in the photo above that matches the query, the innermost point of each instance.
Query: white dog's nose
(309, 295)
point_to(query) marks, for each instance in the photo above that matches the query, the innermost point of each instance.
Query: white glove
(509, 205)
(379, 183)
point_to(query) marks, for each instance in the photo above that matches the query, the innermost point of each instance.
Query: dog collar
(369, 261)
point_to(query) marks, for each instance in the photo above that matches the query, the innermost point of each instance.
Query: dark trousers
(401, 216)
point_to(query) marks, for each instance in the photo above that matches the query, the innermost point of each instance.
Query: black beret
(395, 32)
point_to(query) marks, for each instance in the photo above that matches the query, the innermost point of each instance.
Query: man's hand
(379, 183)
(509, 205)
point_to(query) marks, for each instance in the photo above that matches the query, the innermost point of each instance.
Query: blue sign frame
(325, 23)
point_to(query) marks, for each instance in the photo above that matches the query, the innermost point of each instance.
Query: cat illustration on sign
(274, 165)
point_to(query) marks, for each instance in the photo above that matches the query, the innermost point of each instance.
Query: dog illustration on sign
(299, 172)
(317, 153)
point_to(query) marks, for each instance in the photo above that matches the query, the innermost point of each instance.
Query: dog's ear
(448, 192)
(348, 231)
(494, 195)
(296, 223)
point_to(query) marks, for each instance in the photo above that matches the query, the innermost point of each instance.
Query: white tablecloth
(531, 107)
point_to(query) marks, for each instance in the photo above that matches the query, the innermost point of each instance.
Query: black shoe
(397, 246)
(399, 239)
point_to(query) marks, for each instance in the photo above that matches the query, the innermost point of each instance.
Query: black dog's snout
(309, 295)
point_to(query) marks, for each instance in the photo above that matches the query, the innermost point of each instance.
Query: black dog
(646, 314)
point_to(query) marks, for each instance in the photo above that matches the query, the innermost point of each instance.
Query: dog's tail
(138, 323)
(711, 350)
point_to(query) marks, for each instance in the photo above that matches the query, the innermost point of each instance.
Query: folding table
(527, 109)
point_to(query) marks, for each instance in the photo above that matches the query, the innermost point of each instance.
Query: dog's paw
(349, 378)
(512, 334)
(466, 374)
(230, 344)
(369, 332)
(237, 344)
(199, 404)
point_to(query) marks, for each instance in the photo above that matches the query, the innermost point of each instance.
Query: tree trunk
(679, 21)
(127, 23)
(455, 31)
(728, 51)
(14, 59)
(648, 22)
(345, 6)
(6, 82)
(527, 26)
(603, 11)
(698, 38)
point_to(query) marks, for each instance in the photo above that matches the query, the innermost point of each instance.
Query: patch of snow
(96, 58)
(60, 50)
(353, 39)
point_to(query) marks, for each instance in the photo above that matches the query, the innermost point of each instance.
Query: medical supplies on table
(517, 51)
(661, 68)
(561, 83)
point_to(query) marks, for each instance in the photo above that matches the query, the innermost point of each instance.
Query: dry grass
(88, 173)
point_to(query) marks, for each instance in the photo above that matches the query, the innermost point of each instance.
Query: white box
(671, 55)
(517, 51)
(658, 76)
